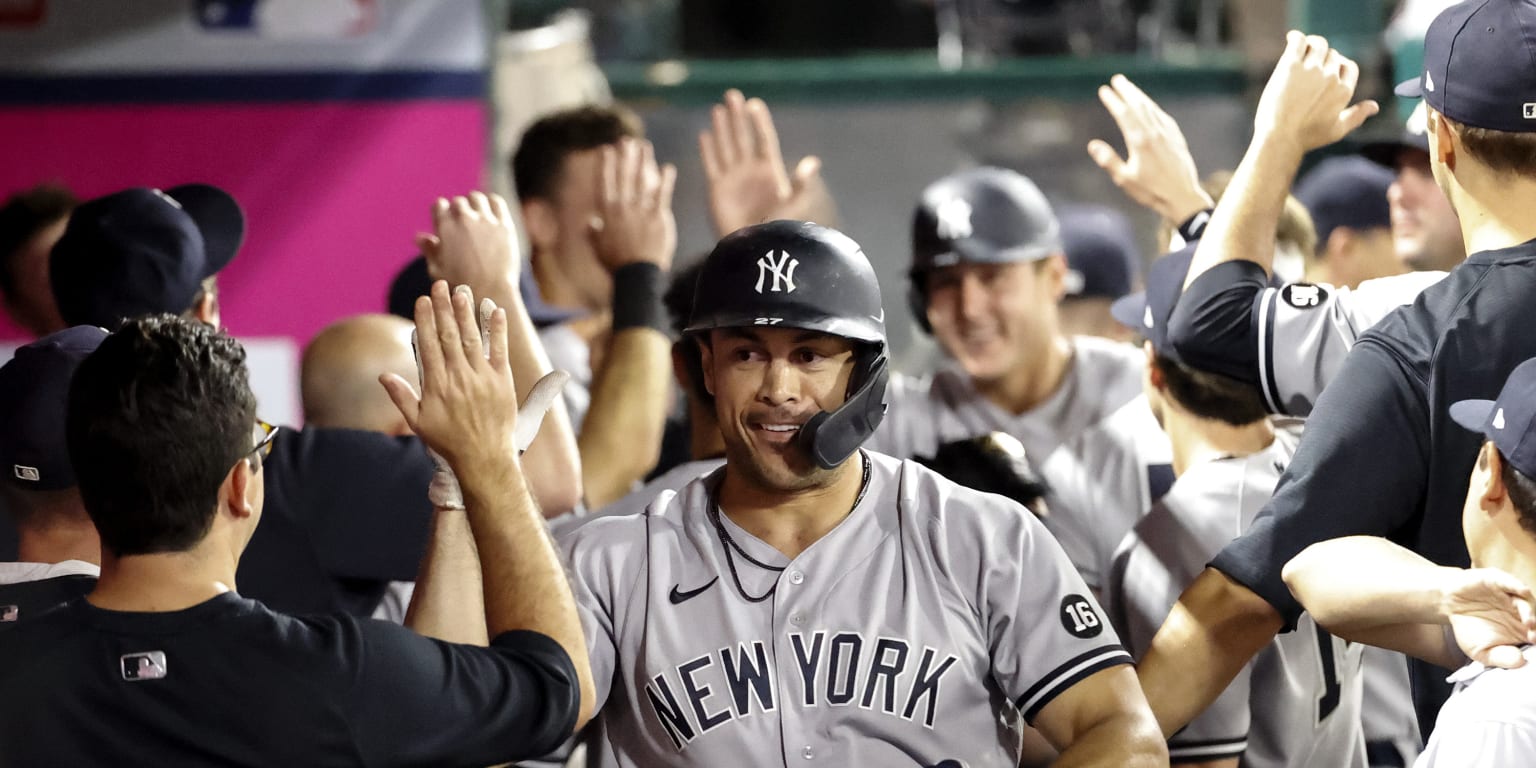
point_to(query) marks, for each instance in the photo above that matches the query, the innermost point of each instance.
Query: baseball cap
(1480, 65)
(985, 215)
(34, 395)
(1509, 421)
(1346, 192)
(1102, 258)
(1414, 136)
(142, 251)
(1147, 312)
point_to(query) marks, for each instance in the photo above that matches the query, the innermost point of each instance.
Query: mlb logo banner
(290, 19)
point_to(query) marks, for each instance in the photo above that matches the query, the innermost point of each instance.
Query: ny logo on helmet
(954, 219)
(782, 269)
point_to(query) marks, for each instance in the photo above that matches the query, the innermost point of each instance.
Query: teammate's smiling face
(994, 318)
(1425, 229)
(767, 382)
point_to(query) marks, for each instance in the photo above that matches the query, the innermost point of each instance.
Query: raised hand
(474, 241)
(1158, 172)
(748, 181)
(634, 222)
(467, 410)
(1491, 616)
(1307, 98)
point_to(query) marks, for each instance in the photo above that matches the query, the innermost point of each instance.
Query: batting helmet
(982, 215)
(793, 274)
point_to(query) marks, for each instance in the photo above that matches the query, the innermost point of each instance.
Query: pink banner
(333, 193)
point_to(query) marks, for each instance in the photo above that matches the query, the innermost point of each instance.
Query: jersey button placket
(808, 753)
(796, 577)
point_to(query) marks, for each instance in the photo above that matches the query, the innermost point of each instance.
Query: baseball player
(1379, 457)
(815, 603)
(987, 275)
(1298, 703)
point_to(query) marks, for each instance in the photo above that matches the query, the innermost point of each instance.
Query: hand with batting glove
(462, 369)
(634, 222)
(748, 181)
(1158, 171)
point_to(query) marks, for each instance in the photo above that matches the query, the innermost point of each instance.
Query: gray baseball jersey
(637, 500)
(919, 631)
(927, 411)
(1489, 721)
(1306, 330)
(1298, 703)
(568, 352)
(1102, 481)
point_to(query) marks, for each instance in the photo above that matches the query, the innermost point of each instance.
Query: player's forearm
(621, 435)
(1243, 225)
(1125, 739)
(1360, 582)
(1216, 627)
(524, 579)
(448, 602)
(552, 463)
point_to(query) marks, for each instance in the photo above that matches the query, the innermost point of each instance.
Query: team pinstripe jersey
(1305, 330)
(927, 411)
(1298, 703)
(919, 631)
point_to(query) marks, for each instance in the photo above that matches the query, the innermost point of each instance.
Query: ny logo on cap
(1429, 82)
(782, 269)
(1498, 419)
(26, 473)
(954, 217)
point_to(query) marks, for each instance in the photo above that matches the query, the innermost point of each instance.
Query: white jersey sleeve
(1305, 331)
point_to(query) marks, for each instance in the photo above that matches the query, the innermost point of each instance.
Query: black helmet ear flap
(831, 437)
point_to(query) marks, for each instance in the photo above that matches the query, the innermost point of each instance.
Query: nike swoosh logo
(678, 597)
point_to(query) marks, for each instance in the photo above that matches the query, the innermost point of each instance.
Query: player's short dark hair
(540, 156)
(1506, 152)
(1211, 395)
(1522, 493)
(157, 416)
(22, 216)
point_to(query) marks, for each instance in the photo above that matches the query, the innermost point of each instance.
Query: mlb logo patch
(27, 473)
(145, 665)
(1530, 110)
(9, 613)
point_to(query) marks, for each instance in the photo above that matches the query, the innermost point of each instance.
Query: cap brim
(1472, 414)
(1385, 153)
(218, 218)
(1410, 89)
(1131, 311)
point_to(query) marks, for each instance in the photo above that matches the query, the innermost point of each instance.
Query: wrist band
(637, 292)
(1194, 226)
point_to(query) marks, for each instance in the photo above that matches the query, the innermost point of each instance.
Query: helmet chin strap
(831, 437)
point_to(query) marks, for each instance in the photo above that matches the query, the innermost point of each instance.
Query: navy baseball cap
(984, 215)
(34, 395)
(1480, 65)
(142, 251)
(1415, 137)
(1102, 258)
(1510, 421)
(1346, 192)
(1147, 312)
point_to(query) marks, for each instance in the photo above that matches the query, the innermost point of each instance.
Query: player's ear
(1492, 491)
(239, 488)
(1444, 144)
(1154, 373)
(542, 224)
(1053, 271)
(706, 362)
(1339, 245)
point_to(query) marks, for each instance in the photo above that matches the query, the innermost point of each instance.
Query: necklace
(729, 543)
